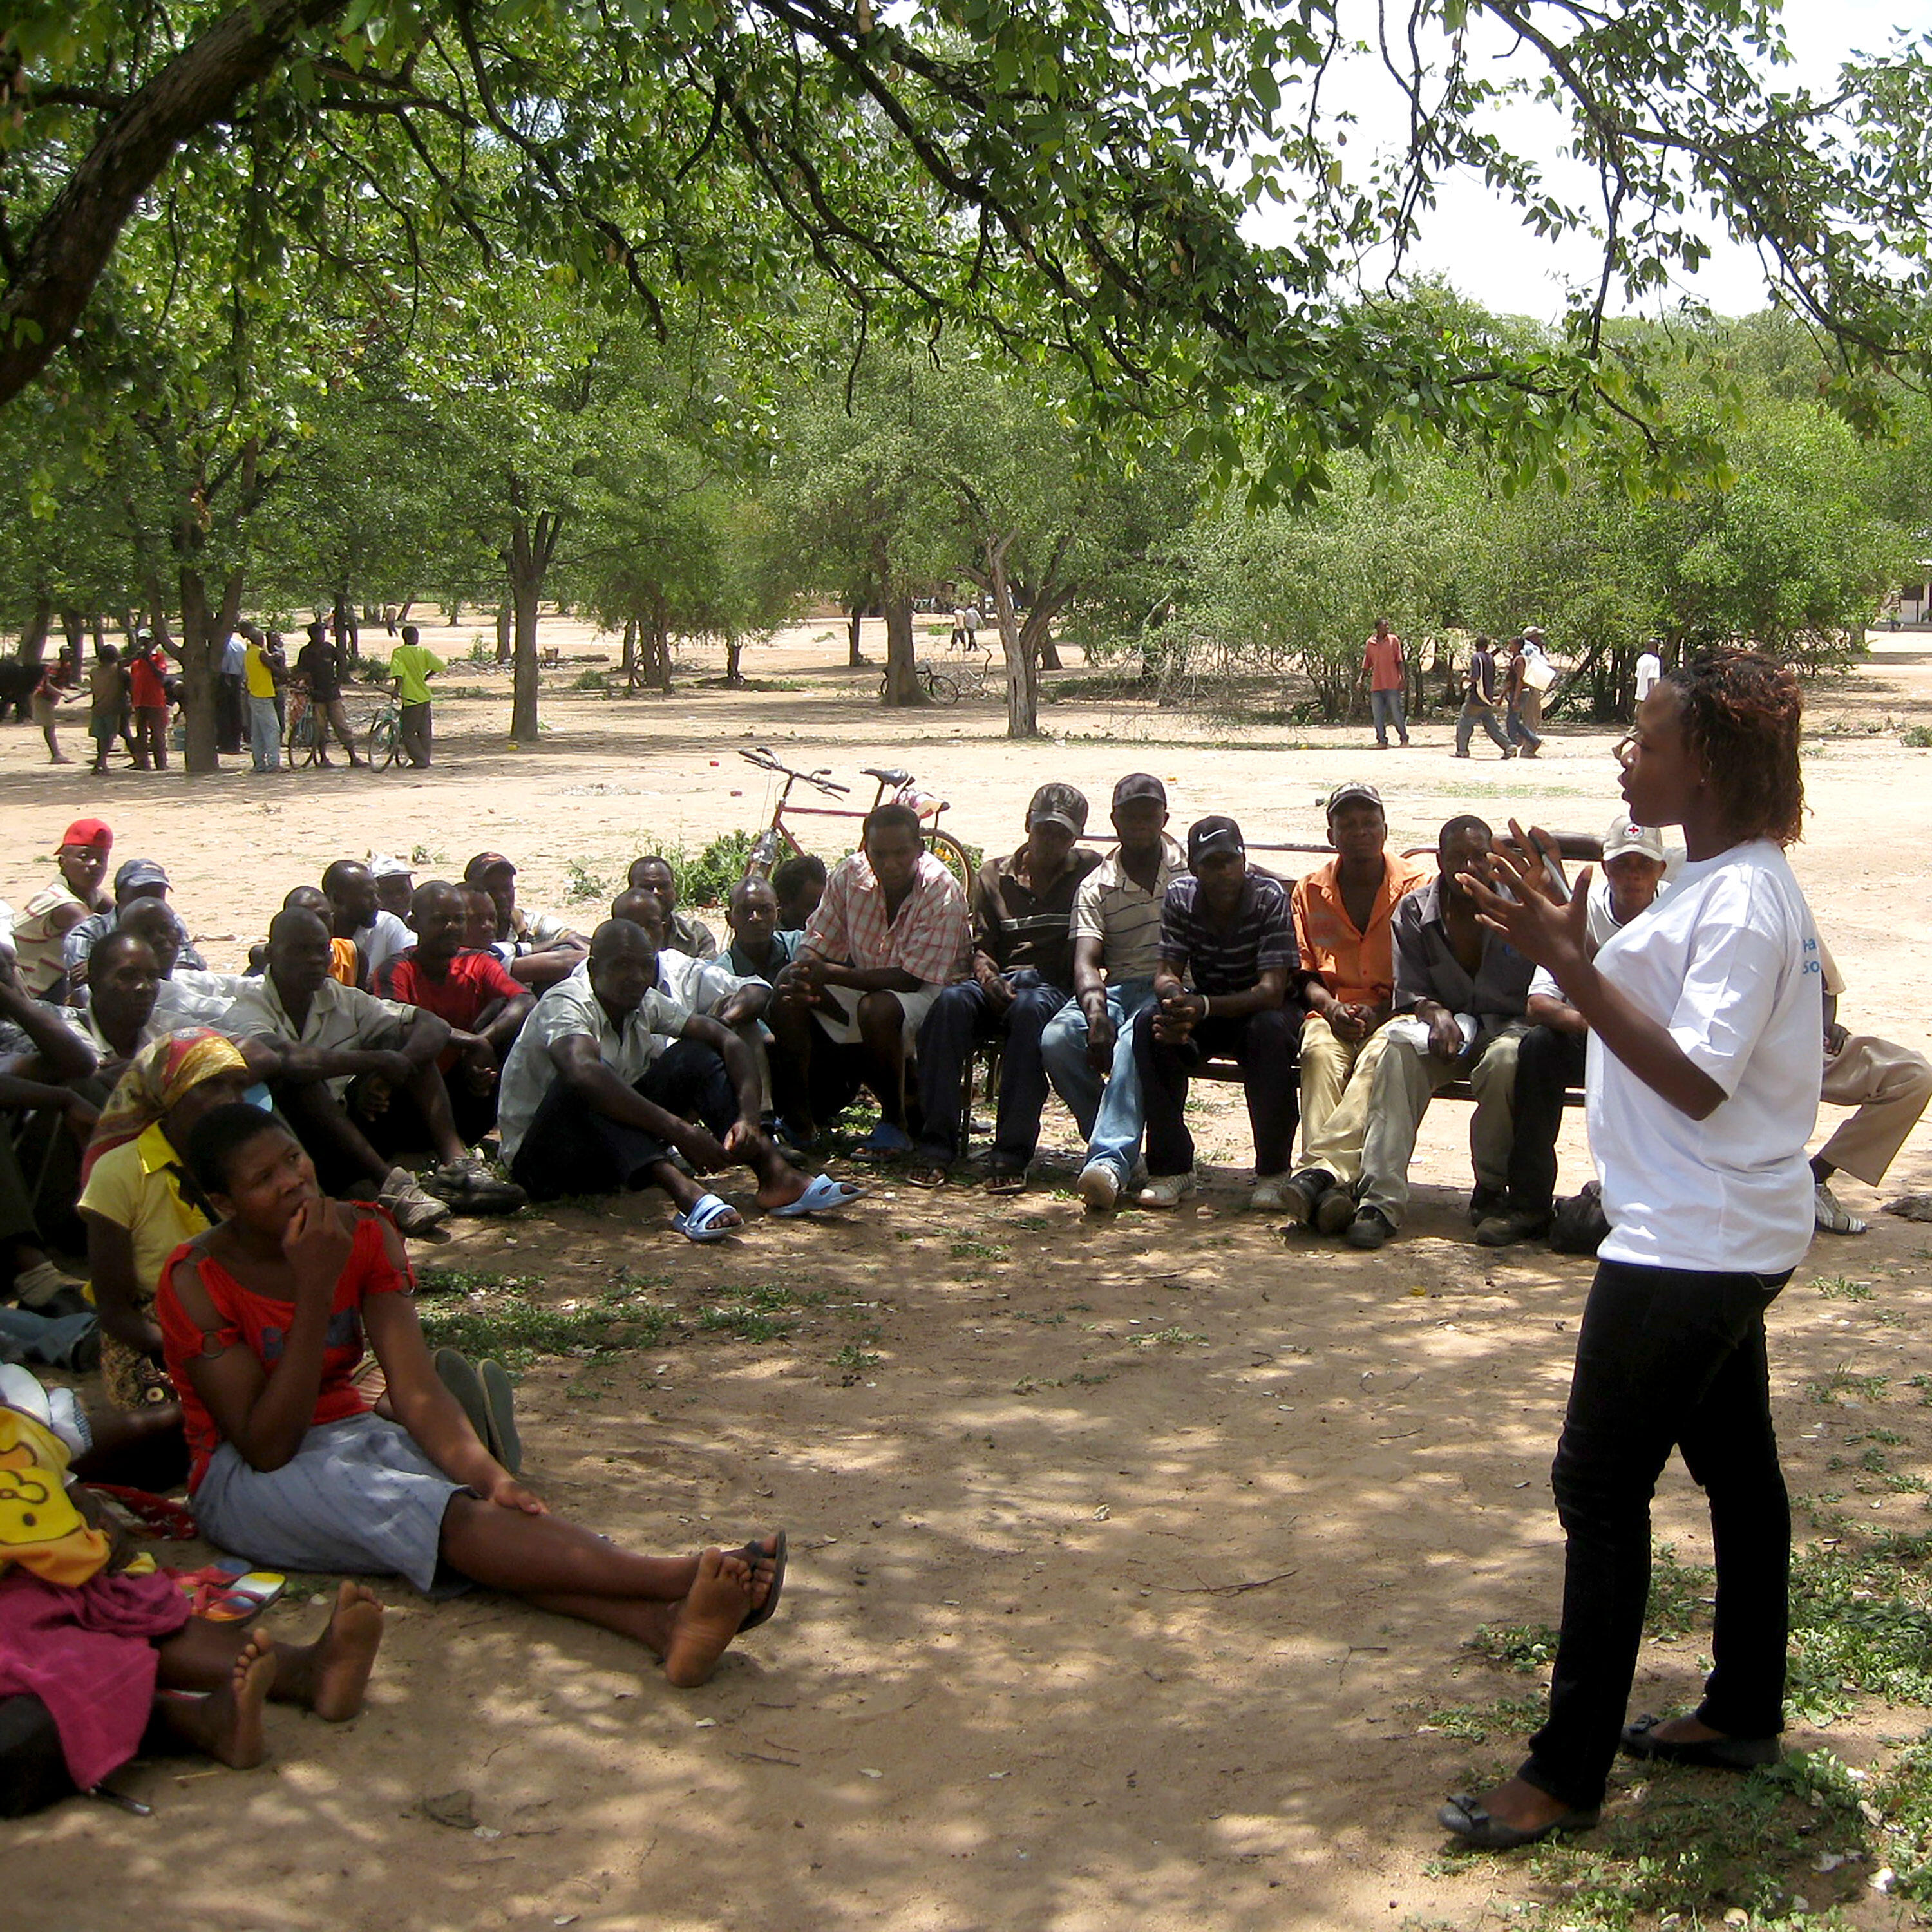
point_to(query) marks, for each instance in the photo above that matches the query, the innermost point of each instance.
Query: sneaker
(45, 1291)
(1484, 1200)
(1304, 1193)
(1271, 1194)
(1335, 1212)
(1167, 1190)
(1509, 752)
(469, 1187)
(1098, 1187)
(1832, 1216)
(1370, 1228)
(413, 1211)
(1513, 1224)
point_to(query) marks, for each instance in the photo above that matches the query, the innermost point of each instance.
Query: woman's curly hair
(1740, 722)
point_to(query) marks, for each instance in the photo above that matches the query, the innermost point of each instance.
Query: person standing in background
(1384, 673)
(412, 667)
(148, 696)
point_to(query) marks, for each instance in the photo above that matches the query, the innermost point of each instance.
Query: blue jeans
(1520, 731)
(1111, 1117)
(962, 1015)
(1484, 715)
(265, 734)
(54, 1339)
(1385, 707)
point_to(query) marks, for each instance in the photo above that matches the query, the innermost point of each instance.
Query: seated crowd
(241, 1156)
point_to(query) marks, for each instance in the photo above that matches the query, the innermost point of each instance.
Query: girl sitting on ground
(106, 1649)
(264, 1319)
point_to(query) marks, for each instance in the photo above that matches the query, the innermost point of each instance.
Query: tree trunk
(75, 627)
(734, 661)
(33, 638)
(533, 544)
(1022, 666)
(855, 659)
(630, 661)
(346, 633)
(197, 654)
(657, 652)
(503, 640)
(1046, 653)
(902, 684)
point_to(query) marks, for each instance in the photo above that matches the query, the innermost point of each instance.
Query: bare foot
(341, 1657)
(781, 1185)
(227, 1722)
(708, 1619)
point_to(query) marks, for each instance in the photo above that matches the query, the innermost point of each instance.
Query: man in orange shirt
(1383, 670)
(1343, 917)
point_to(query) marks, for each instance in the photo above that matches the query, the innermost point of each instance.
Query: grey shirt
(1426, 967)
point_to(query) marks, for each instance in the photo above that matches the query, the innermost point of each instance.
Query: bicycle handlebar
(766, 761)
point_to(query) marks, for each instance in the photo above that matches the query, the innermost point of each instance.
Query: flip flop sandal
(821, 1196)
(1006, 1180)
(754, 1554)
(705, 1221)
(506, 1444)
(458, 1375)
(883, 1143)
(929, 1176)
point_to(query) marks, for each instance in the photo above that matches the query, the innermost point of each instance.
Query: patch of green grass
(589, 680)
(1861, 1624)
(1694, 1850)
(1476, 1724)
(433, 1280)
(1923, 1384)
(1843, 1382)
(581, 883)
(972, 1250)
(1519, 1646)
(1677, 1593)
(1167, 1338)
(857, 1360)
(1842, 1288)
(517, 1331)
(1917, 737)
(746, 1324)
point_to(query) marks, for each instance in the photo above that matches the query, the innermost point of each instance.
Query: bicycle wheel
(941, 689)
(385, 741)
(885, 687)
(950, 854)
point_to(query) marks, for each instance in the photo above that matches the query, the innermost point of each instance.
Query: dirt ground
(1130, 1557)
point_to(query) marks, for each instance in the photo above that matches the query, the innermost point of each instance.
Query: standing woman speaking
(1705, 1017)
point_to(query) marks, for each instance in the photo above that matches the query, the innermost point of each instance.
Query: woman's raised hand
(316, 1244)
(1523, 899)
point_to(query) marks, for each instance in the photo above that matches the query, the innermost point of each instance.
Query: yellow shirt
(412, 666)
(261, 678)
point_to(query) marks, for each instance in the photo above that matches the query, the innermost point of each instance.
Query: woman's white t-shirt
(1729, 961)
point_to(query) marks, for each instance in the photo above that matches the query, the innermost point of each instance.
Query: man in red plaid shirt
(889, 936)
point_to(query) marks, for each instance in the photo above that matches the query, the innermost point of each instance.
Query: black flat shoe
(1707, 1754)
(1470, 1823)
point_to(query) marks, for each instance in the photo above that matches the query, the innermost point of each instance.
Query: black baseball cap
(1207, 836)
(480, 868)
(1138, 784)
(1059, 805)
(1352, 791)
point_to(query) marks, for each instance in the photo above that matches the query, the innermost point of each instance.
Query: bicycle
(307, 738)
(779, 840)
(938, 686)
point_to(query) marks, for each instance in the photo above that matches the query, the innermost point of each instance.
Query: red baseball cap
(88, 832)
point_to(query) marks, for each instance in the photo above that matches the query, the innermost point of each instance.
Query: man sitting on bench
(1231, 931)
(1022, 968)
(1460, 992)
(1550, 1057)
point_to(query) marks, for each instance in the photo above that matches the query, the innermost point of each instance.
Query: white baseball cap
(1623, 835)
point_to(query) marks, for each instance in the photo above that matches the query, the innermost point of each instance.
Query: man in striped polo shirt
(1022, 908)
(1116, 946)
(1230, 932)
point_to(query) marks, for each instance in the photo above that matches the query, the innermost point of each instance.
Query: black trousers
(571, 1148)
(1548, 1063)
(962, 1016)
(1666, 1358)
(1265, 1045)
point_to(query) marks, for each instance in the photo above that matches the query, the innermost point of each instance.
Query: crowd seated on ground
(215, 1144)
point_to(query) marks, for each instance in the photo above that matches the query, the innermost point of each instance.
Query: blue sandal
(705, 1221)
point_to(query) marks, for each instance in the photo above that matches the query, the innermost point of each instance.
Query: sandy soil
(1129, 1558)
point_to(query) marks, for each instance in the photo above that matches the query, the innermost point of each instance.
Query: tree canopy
(1079, 181)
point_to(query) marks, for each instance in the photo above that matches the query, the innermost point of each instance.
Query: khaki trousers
(1890, 1086)
(1326, 1065)
(1369, 1138)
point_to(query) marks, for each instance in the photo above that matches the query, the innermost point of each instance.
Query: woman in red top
(263, 1319)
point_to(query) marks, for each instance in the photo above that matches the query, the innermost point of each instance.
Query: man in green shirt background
(411, 668)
